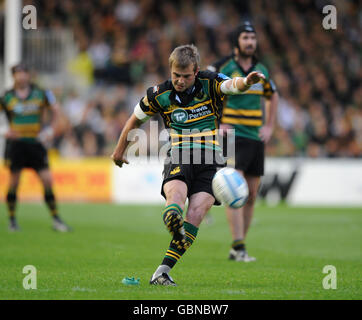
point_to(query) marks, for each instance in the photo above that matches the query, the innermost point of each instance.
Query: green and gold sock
(50, 201)
(175, 251)
(169, 209)
(238, 244)
(11, 203)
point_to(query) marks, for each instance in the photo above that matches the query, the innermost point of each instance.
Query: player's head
(184, 64)
(21, 74)
(244, 39)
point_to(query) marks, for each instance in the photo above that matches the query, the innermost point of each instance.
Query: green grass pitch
(110, 242)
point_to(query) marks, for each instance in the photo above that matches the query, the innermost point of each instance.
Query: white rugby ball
(230, 188)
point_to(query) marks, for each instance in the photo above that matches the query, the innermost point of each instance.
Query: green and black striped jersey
(25, 115)
(245, 111)
(193, 117)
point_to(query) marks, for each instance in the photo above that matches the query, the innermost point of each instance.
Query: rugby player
(190, 104)
(24, 106)
(244, 114)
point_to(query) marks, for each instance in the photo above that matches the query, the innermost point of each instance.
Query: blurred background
(99, 57)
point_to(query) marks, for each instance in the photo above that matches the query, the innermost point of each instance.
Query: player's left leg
(248, 210)
(50, 200)
(175, 192)
(199, 205)
(11, 199)
(250, 163)
(197, 186)
(236, 223)
(14, 159)
(240, 221)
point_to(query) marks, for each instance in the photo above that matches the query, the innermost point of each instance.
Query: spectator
(124, 47)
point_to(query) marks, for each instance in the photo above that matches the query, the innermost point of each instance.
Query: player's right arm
(238, 85)
(118, 154)
(142, 112)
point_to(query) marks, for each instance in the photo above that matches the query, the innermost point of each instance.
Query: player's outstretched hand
(254, 77)
(119, 160)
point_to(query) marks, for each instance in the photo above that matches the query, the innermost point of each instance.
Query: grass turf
(110, 242)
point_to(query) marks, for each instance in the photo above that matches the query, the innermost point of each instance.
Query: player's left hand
(265, 133)
(46, 136)
(254, 77)
(11, 134)
(224, 127)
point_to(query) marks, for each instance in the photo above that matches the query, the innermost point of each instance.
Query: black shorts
(198, 177)
(249, 156)
(21, 154)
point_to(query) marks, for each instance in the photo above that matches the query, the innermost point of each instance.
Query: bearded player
(253, 127)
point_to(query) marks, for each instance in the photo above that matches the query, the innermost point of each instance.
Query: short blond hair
(185, 55)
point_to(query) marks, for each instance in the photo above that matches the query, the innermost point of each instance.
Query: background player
(25, 105)
(245, 114)
(191, 100)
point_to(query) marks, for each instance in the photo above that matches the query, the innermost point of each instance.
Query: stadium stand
(123, 48)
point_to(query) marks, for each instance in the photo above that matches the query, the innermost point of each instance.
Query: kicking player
(244, 113)
(24, 106)
(190, 104)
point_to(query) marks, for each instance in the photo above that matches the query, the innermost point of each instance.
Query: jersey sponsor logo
(199, 112)
(25, 109)
(182, 116)
(179, 116)
(18, 108)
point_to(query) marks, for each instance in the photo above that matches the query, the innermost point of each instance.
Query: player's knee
(194, 217)
(14, 180)
(195, 214)
(176, 196)
(13, 186)
(47, 181)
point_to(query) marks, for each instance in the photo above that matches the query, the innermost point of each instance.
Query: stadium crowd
(123, 48)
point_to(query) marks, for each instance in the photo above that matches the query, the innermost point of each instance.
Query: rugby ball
(230, 188)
